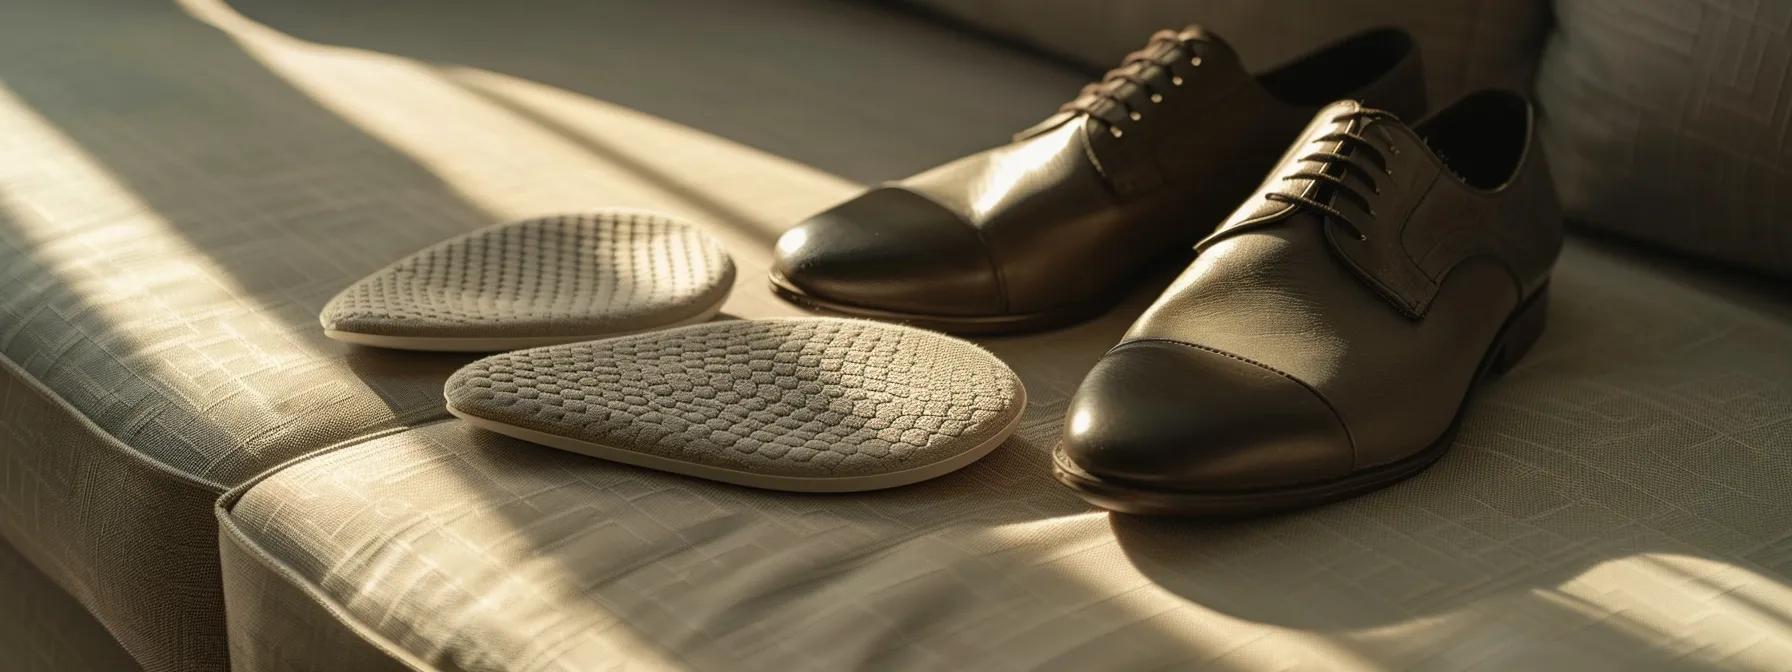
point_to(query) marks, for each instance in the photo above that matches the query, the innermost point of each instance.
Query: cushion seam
(202, 483)
(229, 497)
(115, 444)
(227, 525)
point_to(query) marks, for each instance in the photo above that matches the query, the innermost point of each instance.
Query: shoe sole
(804, 484)
(502, 343)
(1515, 339)
(975, 325)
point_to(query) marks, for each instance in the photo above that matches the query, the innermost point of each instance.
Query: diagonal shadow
(692, 195)
(1498, 528)
(172, 216)
(249, 172)
(1651, 420)
(1482, 561)
(860, 91)
(235, 200)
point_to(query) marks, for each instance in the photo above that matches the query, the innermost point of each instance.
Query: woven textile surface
(185, 185)
(1670, 121)
(1617, 502)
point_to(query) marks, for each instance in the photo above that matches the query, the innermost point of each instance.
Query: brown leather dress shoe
(1324, 341)
(1050, 228)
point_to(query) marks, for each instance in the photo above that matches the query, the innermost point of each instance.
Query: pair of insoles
(622, 362)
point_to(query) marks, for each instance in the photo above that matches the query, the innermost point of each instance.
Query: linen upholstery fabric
(811, 398)
(1466, 44)
(158, 335)
(1614, 503)
(125, 536)
(43, 629)
(565, 275)
(262, 603)
(1668, 123)
(178, 202)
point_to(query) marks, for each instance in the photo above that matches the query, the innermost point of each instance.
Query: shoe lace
(1347, 166)
(1133, 70)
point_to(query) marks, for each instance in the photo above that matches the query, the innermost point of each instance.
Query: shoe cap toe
(890, 249)
(1176, 416)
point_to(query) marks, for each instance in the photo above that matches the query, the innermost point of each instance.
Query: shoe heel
(1521, 332)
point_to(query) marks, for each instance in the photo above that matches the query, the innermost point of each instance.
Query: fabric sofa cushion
(1668, 121)
(178, 203)
(1617, 502)
(163, 253)
(1466, 44)
(43, 629)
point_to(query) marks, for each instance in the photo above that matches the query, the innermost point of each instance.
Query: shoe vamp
(1278, 296)
(1044, 213)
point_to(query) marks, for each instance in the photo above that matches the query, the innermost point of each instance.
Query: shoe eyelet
(1115, 131)
(1135, 116)
(1157, 98)
(1176, 80)
(1196, 61)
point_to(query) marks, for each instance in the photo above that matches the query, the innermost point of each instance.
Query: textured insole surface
(805, 398)
(570, 276)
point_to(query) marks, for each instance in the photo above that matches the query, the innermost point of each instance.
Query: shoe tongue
(1196, 33)
(1219, 55)
(1258, 206)
(1218, 49)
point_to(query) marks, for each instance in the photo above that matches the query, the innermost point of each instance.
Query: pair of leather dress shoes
(1327, 333)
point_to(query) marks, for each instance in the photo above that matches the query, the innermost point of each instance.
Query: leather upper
(179, 208)
(1146, 401)
(1386, 332)
(1138, 168)
(1517, 223)
(847, 250)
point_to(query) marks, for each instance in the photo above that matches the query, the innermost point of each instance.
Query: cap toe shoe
(1161, 414)
(889, 249)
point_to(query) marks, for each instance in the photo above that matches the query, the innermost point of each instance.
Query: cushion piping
(228, 529)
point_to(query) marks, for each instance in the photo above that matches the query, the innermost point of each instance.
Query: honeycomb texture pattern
(569, 275)
(1617, 502)
(793, 397)
(179, 202)
(181, 195)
